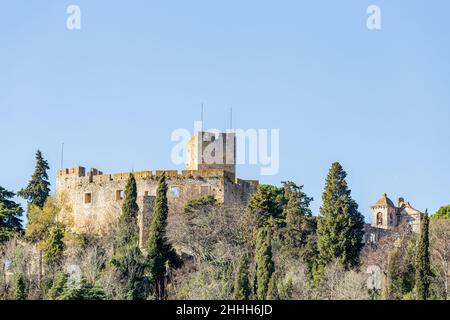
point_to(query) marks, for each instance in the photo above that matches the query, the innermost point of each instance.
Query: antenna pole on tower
(202, 115)
(62, 155)
(231, 118)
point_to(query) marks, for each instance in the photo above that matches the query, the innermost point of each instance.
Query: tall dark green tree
(54, 248)
(340, 227)
(423, 266)
(10, 215)
(38, 188)
(127, 258)
(128, 220)
(160, 251)
(21, 288)
(264, 263)
(297, 215)
(242, 289)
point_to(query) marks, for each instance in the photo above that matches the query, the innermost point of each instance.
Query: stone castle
(95, 199)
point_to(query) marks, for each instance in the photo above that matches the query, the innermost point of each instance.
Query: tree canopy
(10, 215)
(38, 188)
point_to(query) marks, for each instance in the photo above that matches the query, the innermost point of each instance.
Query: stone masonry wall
(96, 199)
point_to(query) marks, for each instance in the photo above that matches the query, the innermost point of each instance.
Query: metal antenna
(202, 116)
(62, 155)
(231, 118)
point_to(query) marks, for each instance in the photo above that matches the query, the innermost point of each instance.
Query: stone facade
(95, 199)
(387, 218)
(385, 215)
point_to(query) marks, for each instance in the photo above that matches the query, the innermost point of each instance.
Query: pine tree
(127, 258)
(10, 215)
(423, 267)
(58, 286)
(21, 288)
(264, 263)
(340, 227)
(160, 252)
(242, 283)
(54, 248)
(38, 188)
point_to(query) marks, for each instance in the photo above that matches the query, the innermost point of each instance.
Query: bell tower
(384, 213)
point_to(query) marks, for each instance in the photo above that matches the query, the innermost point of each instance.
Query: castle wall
(373, 234)
(96, 199)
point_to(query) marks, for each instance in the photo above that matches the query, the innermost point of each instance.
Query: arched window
(379, 218)
(391, 218)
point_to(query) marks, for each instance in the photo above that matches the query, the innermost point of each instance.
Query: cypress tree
(127, 258)
(272, 290)
(160, 252)
(423, 268)
(10, 215)
(21, 288)
(128, 220)
(264, 264)
(38, 188)
(242, 283)
(340, 227)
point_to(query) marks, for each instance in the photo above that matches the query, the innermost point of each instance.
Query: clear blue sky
(377, 101)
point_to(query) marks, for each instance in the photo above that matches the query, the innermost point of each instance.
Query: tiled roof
(384, 202)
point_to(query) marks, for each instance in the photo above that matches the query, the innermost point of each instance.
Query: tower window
(175, 192)
(379, 218)
(119, 195)
(204, 190)
(88, 198)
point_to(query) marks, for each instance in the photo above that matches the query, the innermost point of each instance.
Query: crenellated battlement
(80, 175)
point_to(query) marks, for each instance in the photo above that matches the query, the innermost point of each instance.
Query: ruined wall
(372, 235)
(96, 198)
(413, 217)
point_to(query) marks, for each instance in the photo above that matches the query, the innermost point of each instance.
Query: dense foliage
(38, 189)
(10, 215)
(274, 248)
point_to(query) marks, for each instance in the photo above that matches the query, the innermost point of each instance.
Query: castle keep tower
(210, 151)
